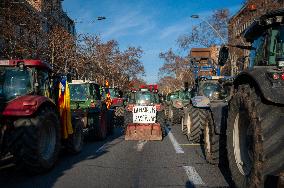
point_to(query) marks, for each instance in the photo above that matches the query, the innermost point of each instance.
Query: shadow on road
(12, 176)
(189, 184)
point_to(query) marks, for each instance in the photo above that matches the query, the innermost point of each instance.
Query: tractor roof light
(275, 76)
(279, 19)
(269, 21)
(21, 65)
(282, 76)
(252, 7)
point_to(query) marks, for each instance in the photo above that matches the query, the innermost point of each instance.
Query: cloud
(175, 30)
(132, 22)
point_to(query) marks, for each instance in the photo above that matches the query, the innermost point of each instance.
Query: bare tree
(21, 33)
(203, 35)
(61, 51)
(175, 71)
(102, 61)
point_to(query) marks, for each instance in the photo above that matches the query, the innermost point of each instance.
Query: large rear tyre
(211, 141)
(167, 111)
(75, 141)
(255, 137)
(38, 141)
(183, 126)
(195, 124)
(184, 119)
(119, 111)
(176, 116)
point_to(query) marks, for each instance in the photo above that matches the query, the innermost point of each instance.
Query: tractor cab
(266, 56)
(267, 41)
(84, 94)
(23, 77)
(210, 89)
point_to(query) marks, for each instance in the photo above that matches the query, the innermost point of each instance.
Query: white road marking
(101, 149)
(174, 141)
(193, 176)
(189, 144)
(141, 144)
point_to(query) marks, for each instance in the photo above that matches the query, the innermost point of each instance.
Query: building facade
(251, 10)
(27, 24)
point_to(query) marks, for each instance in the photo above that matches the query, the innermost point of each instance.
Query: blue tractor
(205, 71)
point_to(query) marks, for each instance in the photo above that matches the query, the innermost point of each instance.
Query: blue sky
(154, 25)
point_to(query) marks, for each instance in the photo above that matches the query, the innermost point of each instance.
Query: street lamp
(197, 16)
(99, 18)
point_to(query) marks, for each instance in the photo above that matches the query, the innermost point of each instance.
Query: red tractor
(31, 125)
(117, 104)
(144, 116)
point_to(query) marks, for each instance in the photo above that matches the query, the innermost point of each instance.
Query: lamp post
(197, 16)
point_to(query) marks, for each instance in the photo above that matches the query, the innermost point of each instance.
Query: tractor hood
(117, 101)
(22, 106)
(200, 101)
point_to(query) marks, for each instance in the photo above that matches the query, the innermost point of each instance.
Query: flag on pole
(108, 98)
(64, 108)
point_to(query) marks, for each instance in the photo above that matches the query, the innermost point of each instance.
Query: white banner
(144, 114)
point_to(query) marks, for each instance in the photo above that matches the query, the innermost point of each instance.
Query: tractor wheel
(254, 138)
(110, 122)
(118, 121)
(119, 111)
(101, 128)
(211, 141)
(184, 119)
(38, 141)
(167, 111)
(195, 124)
(161, 121)
(93, 123)
(118, 116)
(76, 141)
(183, 126)
(128, 118)
(176, 116)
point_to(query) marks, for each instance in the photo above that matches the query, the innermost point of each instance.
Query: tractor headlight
(216, 95)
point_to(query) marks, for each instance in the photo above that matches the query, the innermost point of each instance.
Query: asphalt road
(115, 162)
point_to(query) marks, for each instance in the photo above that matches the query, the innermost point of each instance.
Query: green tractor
(86, 101)
(175, 103)
(254, 131)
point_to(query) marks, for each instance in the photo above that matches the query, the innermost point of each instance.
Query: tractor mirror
(223, 55)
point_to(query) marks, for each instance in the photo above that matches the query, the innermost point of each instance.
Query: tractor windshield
(209, 89)
(113, 93)
(79, 92)
(14, 83)
(278, 46)
(144, 98)
(173, 96)
(185, 95)
(268, 48)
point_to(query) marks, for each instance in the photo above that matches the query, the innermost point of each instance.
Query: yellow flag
(64, 109)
